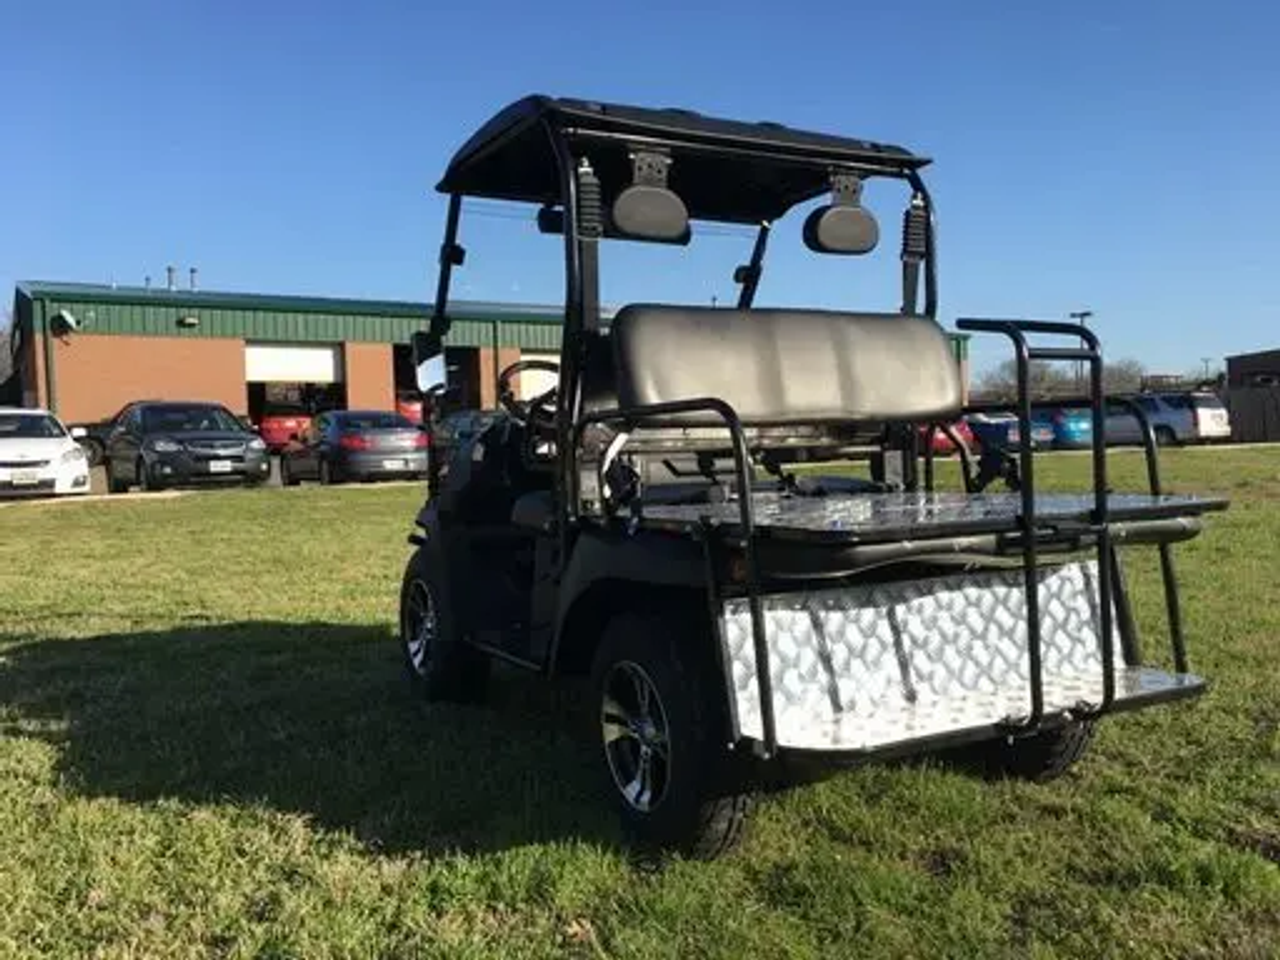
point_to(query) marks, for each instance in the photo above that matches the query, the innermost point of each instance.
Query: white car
(38, 455)
(1175, 418)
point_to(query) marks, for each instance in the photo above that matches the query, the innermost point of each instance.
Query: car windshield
(190, 418)
(29, 426)
(357, 422)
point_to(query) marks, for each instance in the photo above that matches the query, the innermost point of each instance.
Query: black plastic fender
(608, 570)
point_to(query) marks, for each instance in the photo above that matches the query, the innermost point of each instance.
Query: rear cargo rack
(1019, 523)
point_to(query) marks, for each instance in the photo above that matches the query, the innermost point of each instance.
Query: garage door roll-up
(292, 363)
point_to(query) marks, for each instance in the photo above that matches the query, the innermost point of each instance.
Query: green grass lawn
(207, 749)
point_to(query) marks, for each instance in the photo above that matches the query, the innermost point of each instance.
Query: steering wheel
(537, 413)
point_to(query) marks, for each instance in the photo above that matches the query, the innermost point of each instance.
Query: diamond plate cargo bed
(872, 666)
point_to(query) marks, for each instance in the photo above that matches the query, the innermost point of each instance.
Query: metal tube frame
(1110, 580)
(754, 268)
(440, 312)
(1150, 448)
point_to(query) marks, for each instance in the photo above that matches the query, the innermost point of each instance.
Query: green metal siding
(277, 319)
(137, 312)
(161, 320)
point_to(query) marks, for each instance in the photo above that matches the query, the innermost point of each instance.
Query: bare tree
(1123, 376)
(1048, 380)
(6, 353)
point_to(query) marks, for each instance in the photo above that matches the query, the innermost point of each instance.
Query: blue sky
(1120, 157)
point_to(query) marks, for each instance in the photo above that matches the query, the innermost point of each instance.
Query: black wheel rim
(420, 625)
(633, 723)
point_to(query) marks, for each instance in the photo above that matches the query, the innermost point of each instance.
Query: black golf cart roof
(724, 170)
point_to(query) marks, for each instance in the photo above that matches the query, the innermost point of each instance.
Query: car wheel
(1165, 436)
(326, 473)
(145, 480)
(661, 759)
(92, 451)
(1041, 757)
(115, 484)
(287, 479)
(439, 664)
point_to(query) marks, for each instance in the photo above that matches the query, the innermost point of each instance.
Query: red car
(280, 425)
(942, 445)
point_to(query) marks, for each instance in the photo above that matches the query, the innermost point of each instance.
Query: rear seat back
(779, 367)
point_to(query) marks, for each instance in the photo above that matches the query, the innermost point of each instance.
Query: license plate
(219, 466)
(24, 478)
(392, 464)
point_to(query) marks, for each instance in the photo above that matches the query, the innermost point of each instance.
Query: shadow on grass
(315, 719)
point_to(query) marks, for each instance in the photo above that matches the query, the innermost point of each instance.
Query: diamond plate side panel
(859, 667)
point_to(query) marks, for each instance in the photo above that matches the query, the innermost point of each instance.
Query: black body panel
(511, 157)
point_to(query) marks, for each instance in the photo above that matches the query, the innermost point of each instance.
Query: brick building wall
(96, 375)
(33, 392)
(369, 376)
(489, 372)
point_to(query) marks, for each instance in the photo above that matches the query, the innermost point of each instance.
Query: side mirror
(79, 433)
(428, 361)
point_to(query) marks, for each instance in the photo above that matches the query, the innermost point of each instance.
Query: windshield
(190, 418)
(355, 422)
(29, 426)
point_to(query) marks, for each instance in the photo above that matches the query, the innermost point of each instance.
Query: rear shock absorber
(915, 247)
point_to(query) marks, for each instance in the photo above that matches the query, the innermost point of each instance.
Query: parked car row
(154, 444)
(1176, 418)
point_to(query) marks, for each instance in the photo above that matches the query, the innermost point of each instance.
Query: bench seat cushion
(776, 366)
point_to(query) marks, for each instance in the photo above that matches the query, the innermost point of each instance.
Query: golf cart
(654, 521)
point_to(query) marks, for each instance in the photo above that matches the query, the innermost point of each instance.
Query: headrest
(843, 226)
(649, 209)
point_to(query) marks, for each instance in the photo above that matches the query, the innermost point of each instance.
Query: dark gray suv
(175, 443)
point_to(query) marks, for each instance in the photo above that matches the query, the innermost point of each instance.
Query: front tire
(663, 759)
(1165, 437)
(439, 663)
(114, 484)
(145, 481)
(93, 452)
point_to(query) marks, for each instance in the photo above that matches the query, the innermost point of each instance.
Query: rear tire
(326, 473)
(1040, 758)
(1165, 437)
(287, 479)
(440, 665)
(114, 484)
(662, 753)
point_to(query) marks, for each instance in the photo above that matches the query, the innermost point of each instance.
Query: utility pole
(1082, 316)
(1205, 361)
